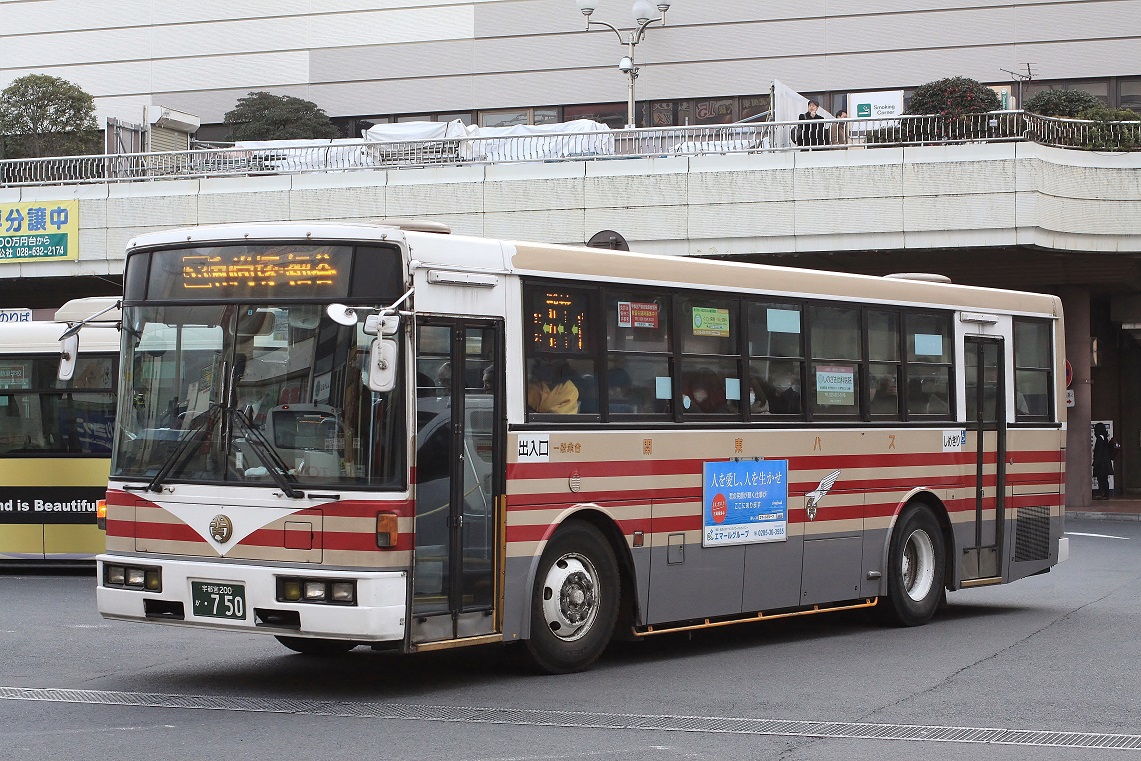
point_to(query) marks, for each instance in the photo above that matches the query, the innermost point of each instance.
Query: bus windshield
(255, 394)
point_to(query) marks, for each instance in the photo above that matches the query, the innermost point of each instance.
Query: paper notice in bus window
(783, 320)
(733, 389)
(711, 322)
(663, 387)
(836, 385)
(637, 314)
(16, 375)
(744, 502)
(928, 345)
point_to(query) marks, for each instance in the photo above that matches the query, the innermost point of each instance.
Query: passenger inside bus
(553, 388)
(758, 396)
(705, 393)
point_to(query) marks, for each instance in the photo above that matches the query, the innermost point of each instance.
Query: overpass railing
(757, 137)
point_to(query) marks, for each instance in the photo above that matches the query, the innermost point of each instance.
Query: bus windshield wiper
(276, 466)
(197, 435)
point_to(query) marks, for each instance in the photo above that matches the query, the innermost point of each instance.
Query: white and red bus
(346, 434)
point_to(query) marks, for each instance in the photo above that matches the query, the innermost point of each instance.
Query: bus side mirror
(68, 353)
(382, 356)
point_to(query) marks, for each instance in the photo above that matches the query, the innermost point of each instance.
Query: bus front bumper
(249, 600)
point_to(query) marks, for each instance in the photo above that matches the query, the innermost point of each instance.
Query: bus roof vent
(417, 225)
(926, 277)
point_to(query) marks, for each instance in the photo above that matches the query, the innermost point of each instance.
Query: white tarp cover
(788, 105)
(581, 137)
(299, 155)
(393, 133)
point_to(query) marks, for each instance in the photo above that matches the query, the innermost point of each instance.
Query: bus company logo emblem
(221, 529)
(819, 493)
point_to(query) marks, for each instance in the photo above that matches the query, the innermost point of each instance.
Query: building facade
(501, 62)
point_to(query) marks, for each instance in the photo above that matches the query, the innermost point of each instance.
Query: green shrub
(1112, 129)
(1061, 103)
(953, 97)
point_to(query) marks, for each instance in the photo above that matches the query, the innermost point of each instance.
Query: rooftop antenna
(1022, 77)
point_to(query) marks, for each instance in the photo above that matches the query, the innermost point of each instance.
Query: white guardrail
(354, 155)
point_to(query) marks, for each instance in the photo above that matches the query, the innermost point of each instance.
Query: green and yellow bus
(55, 438)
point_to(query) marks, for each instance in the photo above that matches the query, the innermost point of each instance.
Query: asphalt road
(1053, 655)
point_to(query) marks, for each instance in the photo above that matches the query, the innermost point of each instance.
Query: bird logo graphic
(815, 496)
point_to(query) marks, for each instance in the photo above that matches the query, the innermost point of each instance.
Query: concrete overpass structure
(905, 199)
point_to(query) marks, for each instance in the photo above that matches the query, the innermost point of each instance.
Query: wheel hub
(570, 597)
(918, 565)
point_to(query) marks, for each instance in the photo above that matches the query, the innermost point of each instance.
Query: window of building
(610, 114)
(1097, 88)
(463, 116)
(1129, 93)
(669, 113)
(509, 117)
(1033, 370)
(753, 105)
(715, 111)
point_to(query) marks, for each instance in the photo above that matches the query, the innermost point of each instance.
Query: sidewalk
(1113, 509)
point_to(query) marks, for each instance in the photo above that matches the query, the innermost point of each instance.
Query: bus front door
(459, 471)
(986, 426)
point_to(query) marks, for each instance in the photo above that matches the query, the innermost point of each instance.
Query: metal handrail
(737, 138)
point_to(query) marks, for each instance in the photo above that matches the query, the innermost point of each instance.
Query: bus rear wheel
(311, 646)
(916, 568)
(574, 604)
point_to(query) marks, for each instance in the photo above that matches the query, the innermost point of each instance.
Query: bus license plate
(219, 600)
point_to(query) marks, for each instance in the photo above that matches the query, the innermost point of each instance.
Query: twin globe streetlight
(643, 12)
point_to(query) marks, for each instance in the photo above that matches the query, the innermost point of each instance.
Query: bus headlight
(132, 577)
(344, 591)
(115, 575)
(322, 591)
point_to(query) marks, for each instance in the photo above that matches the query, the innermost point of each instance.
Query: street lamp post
(643, 12)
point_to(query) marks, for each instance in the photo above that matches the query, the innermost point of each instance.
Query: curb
(1103, 516)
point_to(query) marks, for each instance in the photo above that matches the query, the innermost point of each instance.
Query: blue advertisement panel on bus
(744, 502)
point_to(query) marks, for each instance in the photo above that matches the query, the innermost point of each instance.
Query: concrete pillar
(1079, 479)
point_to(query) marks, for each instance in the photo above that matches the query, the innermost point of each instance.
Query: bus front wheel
(916, 568)
(311, 646)
(574, 604)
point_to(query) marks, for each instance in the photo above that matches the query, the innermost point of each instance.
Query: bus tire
(311, 646)
(574, 603)
(916, 568)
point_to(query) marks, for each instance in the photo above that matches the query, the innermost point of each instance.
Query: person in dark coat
(1102, 460)
(811, 134)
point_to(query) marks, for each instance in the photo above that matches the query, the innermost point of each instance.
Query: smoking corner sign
(39, 231)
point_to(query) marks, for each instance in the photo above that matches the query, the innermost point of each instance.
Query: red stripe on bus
(621, 468)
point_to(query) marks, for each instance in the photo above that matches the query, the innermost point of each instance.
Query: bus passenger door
(459, 473)
(986, 427)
